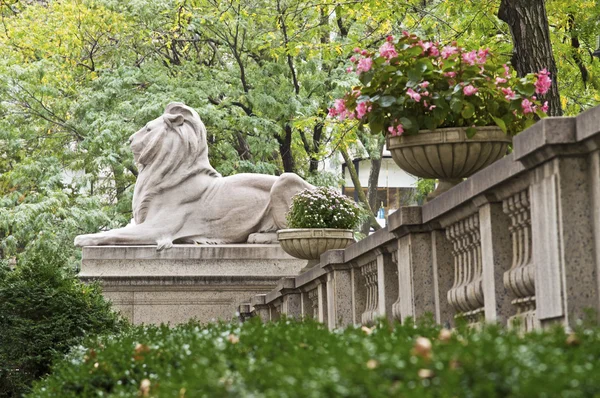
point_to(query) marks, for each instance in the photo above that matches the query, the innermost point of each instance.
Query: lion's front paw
(164, 243)
(84, 240)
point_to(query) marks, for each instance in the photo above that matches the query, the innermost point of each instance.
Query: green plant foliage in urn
(412, 84)
(319, 220)
(323, 207)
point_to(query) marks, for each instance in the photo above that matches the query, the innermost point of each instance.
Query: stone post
(496, 258)
(416, 296)
(339, 289)
(562, 215)
(261, 308)
(291, 298)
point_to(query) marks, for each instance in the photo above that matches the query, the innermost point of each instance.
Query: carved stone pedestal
(187, 281)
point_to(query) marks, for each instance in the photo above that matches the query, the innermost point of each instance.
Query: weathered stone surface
(447, 154)
(180, 198)
(518, 241)
(187, 281)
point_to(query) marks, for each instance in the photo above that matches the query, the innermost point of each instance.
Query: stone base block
(206, 283)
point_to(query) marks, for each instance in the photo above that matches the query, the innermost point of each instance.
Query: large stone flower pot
(310, 243)
(447, 154)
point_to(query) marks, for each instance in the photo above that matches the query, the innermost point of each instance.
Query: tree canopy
(78, 77)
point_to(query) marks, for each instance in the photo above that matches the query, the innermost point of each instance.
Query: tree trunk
(532, 49)
(285, 149)
(314, 160)
(373, 184)
(358, 188)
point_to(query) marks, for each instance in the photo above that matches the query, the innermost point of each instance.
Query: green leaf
(468, 110)
(526, 89)
(406, 123)
(471, 131)
(500, 123)
(366, 77)
(456, 105)
(387, 101)
(415, 74)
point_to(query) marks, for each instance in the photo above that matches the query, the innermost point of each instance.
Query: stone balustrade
(517, 243)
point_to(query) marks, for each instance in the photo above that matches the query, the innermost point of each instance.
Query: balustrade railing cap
(548, 131)
(407, 219)
(588, 123)
(286, 283)
(332, 257)
(375, 241)
(258, 299)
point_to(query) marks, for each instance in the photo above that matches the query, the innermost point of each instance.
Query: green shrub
(292, 359)
(323, 207)
(44, 311)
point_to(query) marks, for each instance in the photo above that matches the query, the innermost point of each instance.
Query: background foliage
(261, 74)
(44, 311)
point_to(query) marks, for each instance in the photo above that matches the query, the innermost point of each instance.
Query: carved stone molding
(466, 294)
(369, 272)
(520, 279)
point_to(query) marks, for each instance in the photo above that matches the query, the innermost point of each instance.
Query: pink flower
(339, 109)
(434, 52)
(362, 109)
(349, 69)
(448, 51)
(395, 131)
(364, 52)
(543, 83)
(482, 55)
(500, 80)
(432, 107)
(469, 90)
(353, 59)
(508, 93)
(388, 51)
(405, 33)
(413, 94)
(425, 84)
(425, 45)
(470, 57)
(450, 74)
(390, 38)
(364, 65)
(506, 70)
(545, 107)
(527, 106)
(356, 50)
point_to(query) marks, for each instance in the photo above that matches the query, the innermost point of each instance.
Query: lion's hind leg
(286, 186)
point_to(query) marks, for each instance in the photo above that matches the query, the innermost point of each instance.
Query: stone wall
(517, 243)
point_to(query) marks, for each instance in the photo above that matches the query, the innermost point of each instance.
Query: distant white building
(395, 187)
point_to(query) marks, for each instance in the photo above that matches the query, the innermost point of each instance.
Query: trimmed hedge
(304, 359)
(44, 311)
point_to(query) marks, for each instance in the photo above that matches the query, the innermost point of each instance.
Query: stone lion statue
(179, 197)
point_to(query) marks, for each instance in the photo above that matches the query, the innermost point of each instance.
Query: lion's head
(168, 150)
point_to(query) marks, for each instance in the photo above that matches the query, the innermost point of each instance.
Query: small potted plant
(320, 219)
(447, 112)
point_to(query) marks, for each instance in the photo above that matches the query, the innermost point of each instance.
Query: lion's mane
(164, 165)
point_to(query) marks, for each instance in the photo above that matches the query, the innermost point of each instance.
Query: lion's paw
(84, 240)
(262, 238)
(164, 243)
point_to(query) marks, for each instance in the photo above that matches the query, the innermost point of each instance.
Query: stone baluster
(466, 294)
(369, 272)
(313, 297)
(520, 278)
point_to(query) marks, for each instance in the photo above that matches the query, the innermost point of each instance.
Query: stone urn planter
(310, 243)
(447, 154)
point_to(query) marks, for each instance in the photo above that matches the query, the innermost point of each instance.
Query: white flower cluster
(322, 208)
